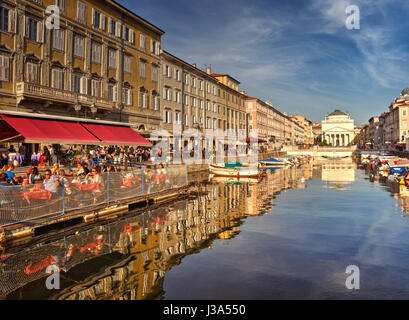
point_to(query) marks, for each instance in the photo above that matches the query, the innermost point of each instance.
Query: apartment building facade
(102, 62)
(268, 121)
(197, 99)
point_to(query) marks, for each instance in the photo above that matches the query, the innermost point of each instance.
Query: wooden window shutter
(12, 21)
(40, 32)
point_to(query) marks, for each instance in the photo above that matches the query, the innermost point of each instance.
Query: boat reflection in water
(338, 173)
(128, 259)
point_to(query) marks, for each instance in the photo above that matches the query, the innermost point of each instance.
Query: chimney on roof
(209, 70)
(194, 65)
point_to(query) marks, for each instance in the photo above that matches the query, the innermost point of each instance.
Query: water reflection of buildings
(338, 173)
(260, 196)
(128, 259)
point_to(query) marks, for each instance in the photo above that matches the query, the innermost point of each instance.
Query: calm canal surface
(279, 238)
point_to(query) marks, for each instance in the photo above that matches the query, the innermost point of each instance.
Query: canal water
(290, 235)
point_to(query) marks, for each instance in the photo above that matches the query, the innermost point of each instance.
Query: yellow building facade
(101, 61)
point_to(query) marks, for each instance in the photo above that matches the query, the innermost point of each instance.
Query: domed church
(338, 129)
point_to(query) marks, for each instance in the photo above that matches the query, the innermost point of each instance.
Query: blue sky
(297, 54)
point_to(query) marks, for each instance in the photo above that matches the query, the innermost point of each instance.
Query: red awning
(34, 130)
(116, 135)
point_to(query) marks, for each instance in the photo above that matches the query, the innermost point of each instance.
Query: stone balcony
(33, 91)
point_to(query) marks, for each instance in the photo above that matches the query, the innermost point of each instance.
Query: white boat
(233, 170)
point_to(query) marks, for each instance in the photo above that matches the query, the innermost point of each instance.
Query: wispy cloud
(297, 54)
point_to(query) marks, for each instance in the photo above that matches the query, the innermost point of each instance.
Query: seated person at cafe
(55, 169)
(51, 183)
(95, 175)
(3, 180)
(10, 174)
(34, 176)
(64, 182)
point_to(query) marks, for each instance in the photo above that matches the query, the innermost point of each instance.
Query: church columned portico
(338, 129)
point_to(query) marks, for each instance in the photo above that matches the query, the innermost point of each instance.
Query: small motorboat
(236, 169)
(273, 162)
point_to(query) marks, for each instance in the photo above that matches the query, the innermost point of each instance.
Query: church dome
(405, 91)
(337, 113)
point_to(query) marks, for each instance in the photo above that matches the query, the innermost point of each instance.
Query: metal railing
(33, 203)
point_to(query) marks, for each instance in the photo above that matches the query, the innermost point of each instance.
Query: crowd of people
(48, 155)
(54, 178)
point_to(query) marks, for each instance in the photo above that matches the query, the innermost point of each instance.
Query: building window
(95, 88)
(155, 102)
(178, 95)
(127, 63)
(142, 69)
(112, 92)
(60, 4)
(57, 79)
(404, 113)
(154, 73)
(168, 71)
(127, 96)
(4, 19)
(125, 33)
(58, 39)
(111, 58)
(178, 117)
(167, 116)
(34, 30)
(142, 42)
(98, 19)
(79, 46)
(111, 26)
(76, 83)
(208, 123)
(143, 99)
(81, 12)
(96, 52)
(4, 68)
(201, 85)
(177, 75)
(32, 72)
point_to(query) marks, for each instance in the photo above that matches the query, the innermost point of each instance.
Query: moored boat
(233, 170)
(273, 162)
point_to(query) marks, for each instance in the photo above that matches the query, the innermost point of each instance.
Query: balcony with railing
(27, 90)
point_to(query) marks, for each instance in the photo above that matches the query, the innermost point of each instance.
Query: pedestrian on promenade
(46, 154)
(4, 159)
